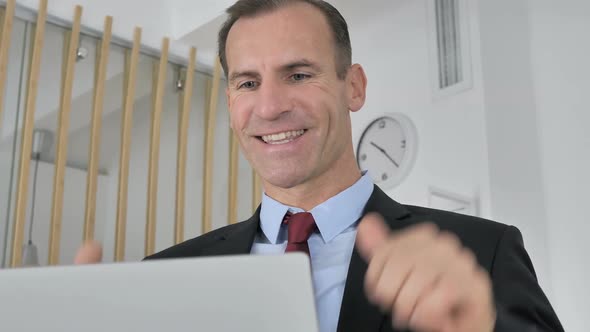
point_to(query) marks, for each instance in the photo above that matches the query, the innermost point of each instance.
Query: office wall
(517, 137)
(517, 190)
(488, 141)
(452, 152)
(561, 74)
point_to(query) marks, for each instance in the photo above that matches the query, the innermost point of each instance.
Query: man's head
(290, 94)
(251, 8)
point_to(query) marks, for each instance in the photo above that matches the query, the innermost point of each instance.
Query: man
(291, 86)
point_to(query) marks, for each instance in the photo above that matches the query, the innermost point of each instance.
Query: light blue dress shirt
(330, 248)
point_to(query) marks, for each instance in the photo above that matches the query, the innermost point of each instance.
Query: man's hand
(89, 253)
(425, 278)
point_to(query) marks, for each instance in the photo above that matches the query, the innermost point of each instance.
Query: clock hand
(385, 153)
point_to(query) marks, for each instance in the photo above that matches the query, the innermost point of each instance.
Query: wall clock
(387, 149)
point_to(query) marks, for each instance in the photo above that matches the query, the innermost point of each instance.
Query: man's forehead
(280, 36)
(299, 21)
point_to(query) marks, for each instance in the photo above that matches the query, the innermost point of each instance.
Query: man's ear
(357, 87)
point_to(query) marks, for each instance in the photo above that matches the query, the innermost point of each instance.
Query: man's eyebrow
(241, 74)
(303, 63)
(299, 64)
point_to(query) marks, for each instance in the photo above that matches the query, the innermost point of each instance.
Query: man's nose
(272, 101)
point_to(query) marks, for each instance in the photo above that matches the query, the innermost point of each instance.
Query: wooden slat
(62, 138)
(256, 191)
(152, 198)
(7, 20)
(209, 138)
(27, 137)
(126, 125)
(183, 122)
(64, 62)
(232, 204)
(102, 60)
(155, 70)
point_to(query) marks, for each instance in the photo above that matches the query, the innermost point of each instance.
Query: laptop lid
(224, 293)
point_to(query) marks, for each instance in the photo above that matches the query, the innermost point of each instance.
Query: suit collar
(236, 240)
(356, 312)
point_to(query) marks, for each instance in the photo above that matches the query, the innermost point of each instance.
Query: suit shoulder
(193, 247)
(481, 236)
(455, 221)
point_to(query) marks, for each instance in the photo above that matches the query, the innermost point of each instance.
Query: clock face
(387, 149)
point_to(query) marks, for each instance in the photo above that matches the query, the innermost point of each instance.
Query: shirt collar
(332, 216)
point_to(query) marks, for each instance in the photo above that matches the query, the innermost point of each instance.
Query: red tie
(301, 226)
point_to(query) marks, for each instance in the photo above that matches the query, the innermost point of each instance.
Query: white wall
(482, 142)
(517, 191)
(452, 141)
(560, 51)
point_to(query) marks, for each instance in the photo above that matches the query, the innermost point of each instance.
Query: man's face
(288, 108)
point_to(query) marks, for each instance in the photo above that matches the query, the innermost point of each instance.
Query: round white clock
(387, 149)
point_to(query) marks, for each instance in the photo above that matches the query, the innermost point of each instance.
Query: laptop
(223, 293)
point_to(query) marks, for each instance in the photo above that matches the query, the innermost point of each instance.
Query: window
(450, 62)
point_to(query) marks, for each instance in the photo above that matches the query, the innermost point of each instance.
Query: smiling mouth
(282, 138)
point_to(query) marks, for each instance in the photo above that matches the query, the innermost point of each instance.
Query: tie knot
(300, 227)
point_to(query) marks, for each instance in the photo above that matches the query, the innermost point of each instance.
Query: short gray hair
(251, 8)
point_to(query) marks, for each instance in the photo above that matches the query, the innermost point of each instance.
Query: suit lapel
(238, 240)
(356, 312)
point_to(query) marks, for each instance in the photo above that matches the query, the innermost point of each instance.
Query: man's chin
(284, 181)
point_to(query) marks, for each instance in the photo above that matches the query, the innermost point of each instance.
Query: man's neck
(315, 191)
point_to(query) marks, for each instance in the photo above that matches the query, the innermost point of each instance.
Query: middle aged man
(291, 88)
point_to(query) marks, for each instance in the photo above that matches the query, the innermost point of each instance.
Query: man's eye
(299, 77)
(248, 85)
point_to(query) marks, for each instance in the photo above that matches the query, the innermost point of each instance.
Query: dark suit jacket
(521, 304)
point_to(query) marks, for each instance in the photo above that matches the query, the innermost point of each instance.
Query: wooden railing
(130, 74)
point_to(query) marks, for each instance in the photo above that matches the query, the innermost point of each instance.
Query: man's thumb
(89, 253)
(372, 233)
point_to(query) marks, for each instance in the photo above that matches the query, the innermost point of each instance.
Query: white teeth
(283, 137)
